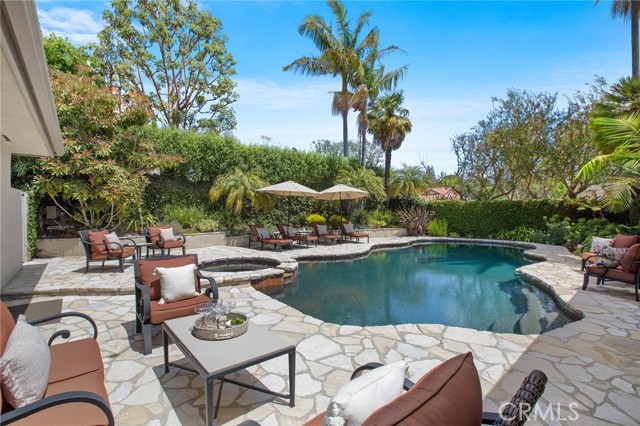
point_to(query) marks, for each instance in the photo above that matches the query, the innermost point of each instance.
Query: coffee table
(214, 359)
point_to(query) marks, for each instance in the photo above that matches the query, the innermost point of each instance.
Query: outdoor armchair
(100, 246)
(75, 392)
(153, 235)
(320, 231)
(348, 232)
(619, 241)
(261, 235)
(627, 270)
(150, 310)
(288, 232)
(448, 395)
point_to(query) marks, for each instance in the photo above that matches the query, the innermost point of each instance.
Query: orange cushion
(613, 274)
(97, 237)
(631, 255)
(178, 309)
(147, 275)
(6, 326)
(625, 241)
(76, 358)
(448, 395)
(172, 244)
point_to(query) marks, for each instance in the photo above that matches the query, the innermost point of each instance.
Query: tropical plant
(101, 178)
(175, 53)
(409, 182)
(629, 9)
(438, 227)
(415, 219)
(341, 53)
(389, 125)
(188, 217)
(361, 178)
(239, 186)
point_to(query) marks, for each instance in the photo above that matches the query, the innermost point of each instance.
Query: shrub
(438, 227)
(188, 217)
(207, 225)
(315, 218)
(381, 218)
(415, 219)
(336, 220)
(361, 217)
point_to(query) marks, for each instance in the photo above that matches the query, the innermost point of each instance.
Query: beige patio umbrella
(342, 192)
(290, 189)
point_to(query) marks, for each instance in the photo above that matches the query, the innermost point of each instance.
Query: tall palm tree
(630, 9)
(239, 186)
(409, 181)
(389, 125)
(341, 53)
(371, 82)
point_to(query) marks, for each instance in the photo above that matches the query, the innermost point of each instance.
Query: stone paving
(593, 364)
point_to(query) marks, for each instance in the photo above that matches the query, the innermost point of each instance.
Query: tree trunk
(387, 172)
(345, 133)
(635, 59)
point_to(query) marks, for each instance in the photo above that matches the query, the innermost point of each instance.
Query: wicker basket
(210, 333)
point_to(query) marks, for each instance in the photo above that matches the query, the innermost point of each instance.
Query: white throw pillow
(264, 234)
(110, 239)
(356, 400)
(25, 365)
(167, 234)
(322, 229)
(597, 244)
(610, 256)
(177, 283)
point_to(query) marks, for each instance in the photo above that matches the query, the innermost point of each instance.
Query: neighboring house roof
(441, 193)
(28, 112)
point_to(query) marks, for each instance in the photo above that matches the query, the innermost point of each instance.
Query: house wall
(11, 223)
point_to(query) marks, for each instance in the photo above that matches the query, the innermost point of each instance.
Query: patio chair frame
(86, 245)
(602, 277)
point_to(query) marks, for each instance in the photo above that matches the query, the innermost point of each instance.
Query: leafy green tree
(373, 156)
(409, 182)
(341, 53)
(362, 178)
(389, 125)
(239, 186)
(616, 129)
(100, 179)
(63, 56)
(177, 55)
(630, 9)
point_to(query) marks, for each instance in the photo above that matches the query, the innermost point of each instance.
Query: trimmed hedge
(485, 219)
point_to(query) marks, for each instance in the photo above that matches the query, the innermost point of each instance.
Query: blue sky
(460, 54)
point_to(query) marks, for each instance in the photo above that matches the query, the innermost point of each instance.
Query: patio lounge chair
(97, 249)
(149, 310)
(320, 231)
(619, 241)
(288, 232)
(348, 232)
(154, 236)
(75, 393)
(261, 235)
(627, 271)
(448, 395)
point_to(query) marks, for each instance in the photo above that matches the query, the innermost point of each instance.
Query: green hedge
(484, 219)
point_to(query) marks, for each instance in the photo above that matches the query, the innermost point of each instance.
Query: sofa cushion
(173, 244)
(360, 397)
(24, 365)
(182, 308)
(86, 357)
(154, 234)
(631, 255)
(448, 395)
(177, 283)
(97, 237)
(610, 256)
(72, 413)
(625, 241)
(148, 276)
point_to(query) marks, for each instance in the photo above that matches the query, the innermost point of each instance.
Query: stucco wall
(11, 223)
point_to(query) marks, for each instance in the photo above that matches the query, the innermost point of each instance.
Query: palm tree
(409, 182)
(389, 125)
(239, 186)
(341, 53)
(630, 9)
(373, 80)
(362, 178)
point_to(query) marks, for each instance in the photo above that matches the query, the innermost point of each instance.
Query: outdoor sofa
(75, 392)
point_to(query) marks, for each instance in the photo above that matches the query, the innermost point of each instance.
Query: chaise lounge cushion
(448, 395)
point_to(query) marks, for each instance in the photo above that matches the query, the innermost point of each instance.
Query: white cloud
(78, 25)
(268, 94)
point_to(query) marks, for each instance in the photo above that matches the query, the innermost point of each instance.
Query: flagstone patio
(593, 364)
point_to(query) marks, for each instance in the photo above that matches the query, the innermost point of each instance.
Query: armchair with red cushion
(154, 235)
(99, 247)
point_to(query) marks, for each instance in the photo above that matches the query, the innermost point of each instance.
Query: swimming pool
(465, 285)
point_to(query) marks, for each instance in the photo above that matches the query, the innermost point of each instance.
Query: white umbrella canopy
(290, 189)
(341, 192)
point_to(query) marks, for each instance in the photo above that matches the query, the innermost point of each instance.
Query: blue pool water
(465, 285)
